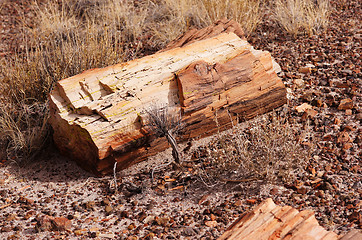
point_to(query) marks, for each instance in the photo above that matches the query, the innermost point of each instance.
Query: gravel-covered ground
(53, 198)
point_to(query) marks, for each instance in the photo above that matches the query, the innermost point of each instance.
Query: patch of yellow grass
(301, 16)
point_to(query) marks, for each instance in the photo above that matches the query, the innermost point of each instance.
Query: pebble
(162, 221)
(90, 205)
(345, 104)
(61, 224)
(298, 82)
(188, 231)
(108, 209)
(149, 219)
(11, 217)
(211, 224)
(305, 70)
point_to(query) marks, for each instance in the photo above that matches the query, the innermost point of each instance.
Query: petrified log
(269, 221)
(99, 116)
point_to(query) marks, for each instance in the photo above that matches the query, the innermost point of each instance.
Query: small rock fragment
(356, 216)
(149, 219)
(345, 104)
(108, 209)
(11, 217)
(298, 82)
(131, 226)
(79, 232)
(162, 221)
(238, 203)
(303, 107)
(61, 224)
(43, 223)
(90, 205)
(48, 223)
(305, 70)
(188, 231)
(343, 137)
(302, 190)
(251, 201)
(25, 200)
(211, 224)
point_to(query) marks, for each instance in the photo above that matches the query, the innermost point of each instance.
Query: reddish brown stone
(211, 224)
(302, 190)
(61, 224)
(345, 104)
(305, 70)
(43, 223)
(49, 223)
(343, 137)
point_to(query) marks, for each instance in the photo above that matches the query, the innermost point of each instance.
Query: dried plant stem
(115, 177)
(175, 150)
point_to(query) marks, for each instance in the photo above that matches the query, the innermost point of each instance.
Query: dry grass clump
(24, 130)
(301, 16)
(173, 17)
(267, 150)
(65, 40)
(246, 12)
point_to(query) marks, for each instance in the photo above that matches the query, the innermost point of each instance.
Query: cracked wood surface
(269, 221)
(98, 116)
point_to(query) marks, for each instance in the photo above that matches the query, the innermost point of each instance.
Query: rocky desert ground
(52, 198)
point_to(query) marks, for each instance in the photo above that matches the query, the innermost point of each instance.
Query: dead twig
(115, 178)
(4, 206)
(238, 180)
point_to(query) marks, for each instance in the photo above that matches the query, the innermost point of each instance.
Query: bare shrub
(301, 16)
(267, 149)
(165, 122)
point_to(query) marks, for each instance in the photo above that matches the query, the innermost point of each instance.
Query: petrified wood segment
(221, 26)
(269, 221)
(98, 116)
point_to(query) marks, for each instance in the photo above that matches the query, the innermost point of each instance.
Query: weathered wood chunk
(99, 116)
(268, 221)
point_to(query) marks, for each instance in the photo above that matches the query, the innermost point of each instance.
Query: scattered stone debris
(331, 184)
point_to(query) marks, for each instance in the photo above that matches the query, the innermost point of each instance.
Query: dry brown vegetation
(66, 37)
(301, 16)
(267, 149)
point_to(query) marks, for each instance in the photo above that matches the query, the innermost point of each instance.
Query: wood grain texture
(268, 221)
(99, 116)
